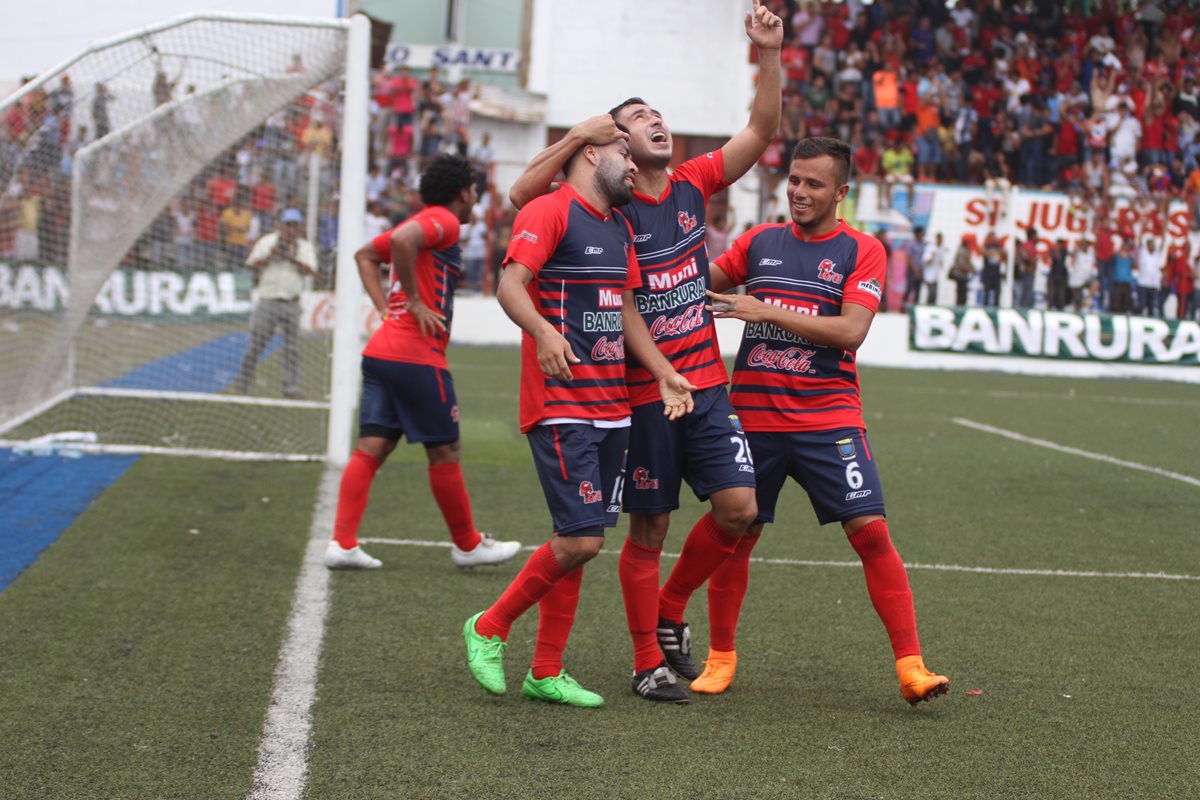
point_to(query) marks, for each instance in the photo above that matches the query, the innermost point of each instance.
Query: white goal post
(135, 179)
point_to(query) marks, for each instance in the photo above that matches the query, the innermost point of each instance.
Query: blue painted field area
(40, 496)
(208, 367)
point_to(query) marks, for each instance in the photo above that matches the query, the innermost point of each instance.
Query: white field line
(283, 755)
(797, 562)
(1074, 451)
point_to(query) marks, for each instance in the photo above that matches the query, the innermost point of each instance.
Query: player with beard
(407, 388)
(708, 447)
(568, 282)
(813, 287)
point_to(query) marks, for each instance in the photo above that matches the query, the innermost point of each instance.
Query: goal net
(135, 182)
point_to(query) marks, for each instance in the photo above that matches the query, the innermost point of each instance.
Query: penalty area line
(797, 562)
(1075, 451)
(282, 769)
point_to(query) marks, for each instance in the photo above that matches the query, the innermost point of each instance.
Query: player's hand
(764, 28)
(555, 356)
(599, 130)
(429, 321)
(737, 306)
(676, 392)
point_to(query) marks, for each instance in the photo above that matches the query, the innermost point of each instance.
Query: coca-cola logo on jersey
(792, 359)
(687, 221)
(689, 320)
(606, 350)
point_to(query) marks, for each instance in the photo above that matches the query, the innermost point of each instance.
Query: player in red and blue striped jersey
(813, 286)
(707, 448)
(407, 388)
(568, 280)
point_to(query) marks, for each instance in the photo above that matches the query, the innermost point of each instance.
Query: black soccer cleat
(675, 641)
(659, 684)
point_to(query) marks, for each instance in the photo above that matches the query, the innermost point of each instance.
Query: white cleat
(488, 551)
(354, 558)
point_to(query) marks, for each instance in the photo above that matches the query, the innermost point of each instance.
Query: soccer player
(407, 388)
(706, 448)
(813, 288)
(567, 282)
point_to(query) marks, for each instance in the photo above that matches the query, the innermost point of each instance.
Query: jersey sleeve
(734, 261)
(706, 172)
(865, 284)
(441, 228)
(537, 230)
(383, 245)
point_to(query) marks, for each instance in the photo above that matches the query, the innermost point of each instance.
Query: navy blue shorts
(415, 401)
(834, 467)
(707, 448)
(580, 468)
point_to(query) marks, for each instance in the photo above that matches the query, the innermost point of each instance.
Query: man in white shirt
(280, 262)
(932, 262)
(1151, 259)
(1081, 272)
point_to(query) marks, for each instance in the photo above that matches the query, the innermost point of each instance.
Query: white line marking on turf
(283, 755)
(797, 562)
(1062, 448)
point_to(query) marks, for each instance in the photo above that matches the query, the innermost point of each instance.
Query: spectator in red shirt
(866, 169)
(402, 88)
(208, 234)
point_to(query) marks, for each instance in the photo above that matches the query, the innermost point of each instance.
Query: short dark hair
(633, 101)
(817, 146)
(444, 178)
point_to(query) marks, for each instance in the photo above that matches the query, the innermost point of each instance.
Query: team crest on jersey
(589, 493)
(527, 236)
(846, 449)
(825, 272)
(642, 479)
(872, 288)
(735, 423)
(687, 221)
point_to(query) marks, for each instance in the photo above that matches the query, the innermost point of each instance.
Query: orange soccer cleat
(918, 683)
(719, 668)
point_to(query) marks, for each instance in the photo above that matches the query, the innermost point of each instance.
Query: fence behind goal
(135, 180)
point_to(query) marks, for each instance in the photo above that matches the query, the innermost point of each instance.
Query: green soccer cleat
(560, 688)
(485, 657)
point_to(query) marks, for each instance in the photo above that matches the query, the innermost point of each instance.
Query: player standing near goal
(568, 283)
(407, 388)
(813, 289)
(706, 448)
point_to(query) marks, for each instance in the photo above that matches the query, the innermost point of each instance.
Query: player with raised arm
(407, 388)
(568, 280)
(813, 287)
(706, 448)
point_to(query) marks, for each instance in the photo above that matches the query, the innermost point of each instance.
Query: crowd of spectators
(237, 198)
(1092, 97)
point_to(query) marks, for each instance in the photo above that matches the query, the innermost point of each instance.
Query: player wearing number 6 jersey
(813, 287)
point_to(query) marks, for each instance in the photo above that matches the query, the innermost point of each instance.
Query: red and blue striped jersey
(782, 382)
(438, 268)
(582, 262)
(669, 241)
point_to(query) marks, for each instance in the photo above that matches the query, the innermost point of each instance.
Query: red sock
(726, 591)
(533, 582)
(450, 492)
(706, 548)
(639, 575)
(887, 584)
(352, 497)
(556, 615)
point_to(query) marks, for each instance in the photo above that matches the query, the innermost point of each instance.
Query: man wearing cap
(279, 262)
